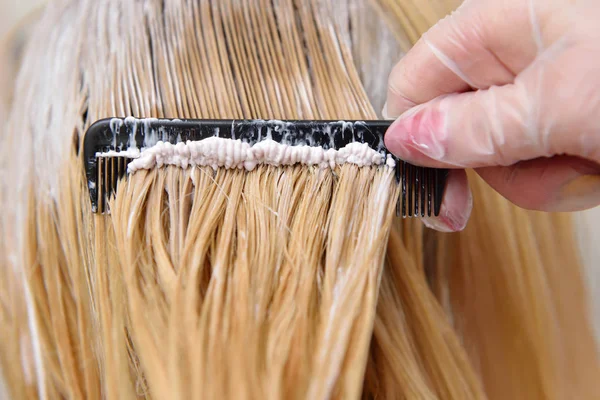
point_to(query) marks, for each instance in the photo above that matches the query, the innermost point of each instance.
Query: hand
(511, 89)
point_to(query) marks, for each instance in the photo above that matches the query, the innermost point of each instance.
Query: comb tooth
(435, 191)
(416, 189)
(409, 200)
(404, 189)
(113, 175)
(124, 171)
(123, 168)
(106, 185)
(415, 193)
(119, 169)
(125, 163)
(430, 182)
(109, 177)
(100, 181)
(398, 173)
(423, 191)
(440, 183)
(405, 179)
(413, 190)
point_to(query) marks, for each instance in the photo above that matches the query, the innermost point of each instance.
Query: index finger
(454, 56)
(419, 77)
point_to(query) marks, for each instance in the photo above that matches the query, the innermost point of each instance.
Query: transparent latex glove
(512, 89)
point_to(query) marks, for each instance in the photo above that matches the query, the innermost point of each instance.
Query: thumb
(481, 44)
(488, 127)
(498, 133)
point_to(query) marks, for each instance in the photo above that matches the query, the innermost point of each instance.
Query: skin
(510, 89)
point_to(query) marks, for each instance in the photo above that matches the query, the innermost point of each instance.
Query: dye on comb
(112, 145)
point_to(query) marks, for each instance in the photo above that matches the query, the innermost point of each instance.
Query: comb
(422, 188)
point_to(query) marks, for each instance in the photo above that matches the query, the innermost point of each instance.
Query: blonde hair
(282, 282)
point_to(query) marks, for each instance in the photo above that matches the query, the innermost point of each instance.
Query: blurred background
(12, 11)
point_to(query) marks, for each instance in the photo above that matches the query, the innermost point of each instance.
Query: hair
(281, 282)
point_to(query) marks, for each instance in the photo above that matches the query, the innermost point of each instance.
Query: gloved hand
(512, 89)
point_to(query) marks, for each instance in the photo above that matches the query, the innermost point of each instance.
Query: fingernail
(456, 206)
(438, 224)
(396, 104)
(578, 194)
(384, 112)
(417, 130)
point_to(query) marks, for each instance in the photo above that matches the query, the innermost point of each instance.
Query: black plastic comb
(422, 188)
